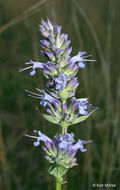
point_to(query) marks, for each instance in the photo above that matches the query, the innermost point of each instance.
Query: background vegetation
(92, 26)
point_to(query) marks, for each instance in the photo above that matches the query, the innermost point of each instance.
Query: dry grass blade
(5, 182)
(76, 26)
(22, 16)
(104, 66)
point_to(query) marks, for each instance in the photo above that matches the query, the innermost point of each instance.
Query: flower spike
(59, 100)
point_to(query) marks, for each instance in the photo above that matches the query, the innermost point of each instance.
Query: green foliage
(82, 118)
(57, 171)
(50, 118)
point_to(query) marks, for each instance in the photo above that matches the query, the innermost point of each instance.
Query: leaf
(64, 94)
(82, 118)
(57, 170)
(49, 118)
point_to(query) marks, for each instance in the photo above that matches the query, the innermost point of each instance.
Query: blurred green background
(93, 26)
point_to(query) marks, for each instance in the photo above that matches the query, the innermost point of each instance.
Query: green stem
(58, 184)
(64, 129)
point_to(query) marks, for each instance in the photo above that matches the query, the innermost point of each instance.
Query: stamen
(23, 69)
(30, 136)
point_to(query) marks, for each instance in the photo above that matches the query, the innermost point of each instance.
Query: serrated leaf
(57, 170)
(82, 118)
(49, 118)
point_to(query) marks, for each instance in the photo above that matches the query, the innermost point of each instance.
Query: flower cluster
(60, 150)
(60, 68)
(62, 107)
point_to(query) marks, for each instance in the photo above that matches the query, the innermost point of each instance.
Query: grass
(93, 27)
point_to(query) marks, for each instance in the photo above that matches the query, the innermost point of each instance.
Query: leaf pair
(77, 120)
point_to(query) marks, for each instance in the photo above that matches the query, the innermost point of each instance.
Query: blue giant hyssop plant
(61, 105)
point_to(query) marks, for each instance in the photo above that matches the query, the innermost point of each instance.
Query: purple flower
(73, 83)
(50, 55)
(61, 149)
(80, 58)
(45, 98)
(45, 43)
(66, 141)
(68, 52)
(79, 145)
(34, 65)
(49, 24)
(57, 29)
(62, 108)
(41, 137)
(60, 70)
(60, 81)
(81, 105)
